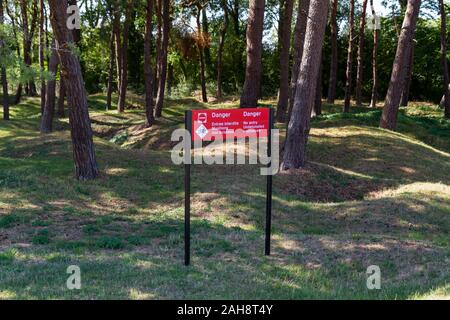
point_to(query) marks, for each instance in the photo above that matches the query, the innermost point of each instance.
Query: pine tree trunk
(444, 58)
(252, 84)
(299, 40)
(299, 125)
(49, 108)
(162, 58)
(148, 68)
(41, 51)
(80, 124)
(399, 69)
(201, 54)
(317, 109)
(112, 59)
(285, 42)
(223, 33)
(124, 57)
(348, 73)
(409, 73)
(376, 36)
(360, 69)
(3, 74)
(334, 54)
(117, 43)
(61, 96)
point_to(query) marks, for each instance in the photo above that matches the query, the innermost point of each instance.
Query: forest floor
(366, 197)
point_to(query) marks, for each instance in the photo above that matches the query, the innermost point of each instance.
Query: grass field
(366, 197)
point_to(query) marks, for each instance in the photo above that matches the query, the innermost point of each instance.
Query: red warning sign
(207, 125)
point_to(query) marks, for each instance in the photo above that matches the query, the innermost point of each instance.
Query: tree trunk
(348, 73)
(80, 124)
(252, 84)
(285, 41)
(376, 36)
(444, 58)
(124, 57)
(298, 131)
(334, 54)
(360, 69)
(148, 68)
(3, 73)
(409, 72)
(201, 54)
(28, 28)
(206, 49)
(112, 59)
(41, 51)
(159, 27)
(162, 58)
(399, 69)
(170, 78)
(299, 40)
(61, 96)
(49, 108)
(223, 33)
(118, 43)
(317, 109)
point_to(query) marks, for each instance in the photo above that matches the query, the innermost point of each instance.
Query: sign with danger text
(207, 125)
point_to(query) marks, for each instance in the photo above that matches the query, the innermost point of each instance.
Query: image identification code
(233, 309)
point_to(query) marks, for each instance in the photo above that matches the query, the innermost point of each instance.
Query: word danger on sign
(230, 124)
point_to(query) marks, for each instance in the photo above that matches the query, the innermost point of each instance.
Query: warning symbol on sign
(202, 118)
(201, 131)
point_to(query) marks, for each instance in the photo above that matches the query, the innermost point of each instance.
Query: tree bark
(201, 53)
(29, 28)
(252, 84)
(298, 130)
(299, 40)
(41, 51)
(80, 124)
(61, 96)
(399, 69)
(162, 58)
(334, 54)
(148, 68)
(112, 59)
(360, 59)
(376, 36)
(409, 72)
(348, 73)
(317, 109)
(117, 43)
(444, 58)
(124, 57)
(3, 73)
(223, 33)
(49, 108)
(285, 42)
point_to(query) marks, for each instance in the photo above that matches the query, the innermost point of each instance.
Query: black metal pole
(187, 194)
(269, 186)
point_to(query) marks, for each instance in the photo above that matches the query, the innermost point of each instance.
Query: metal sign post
(202, 129)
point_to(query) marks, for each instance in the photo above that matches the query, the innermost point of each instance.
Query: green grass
(367, 196)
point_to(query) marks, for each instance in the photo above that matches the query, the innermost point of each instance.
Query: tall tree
(41, 50)
(334, 53)
(399, 69)
(299, 124)
(117, 42)
(29, 28)
(124, 56)
(61, 95)
(3, 73)
(376, 36)
(348, 72)
(162, 58)
(299, 40)
(252, 84)
(223, 33)
(444, 58)
(49, 107)
(148, 68)
(360, 59)
(201, 45)
(285, 42)
(80, 124)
